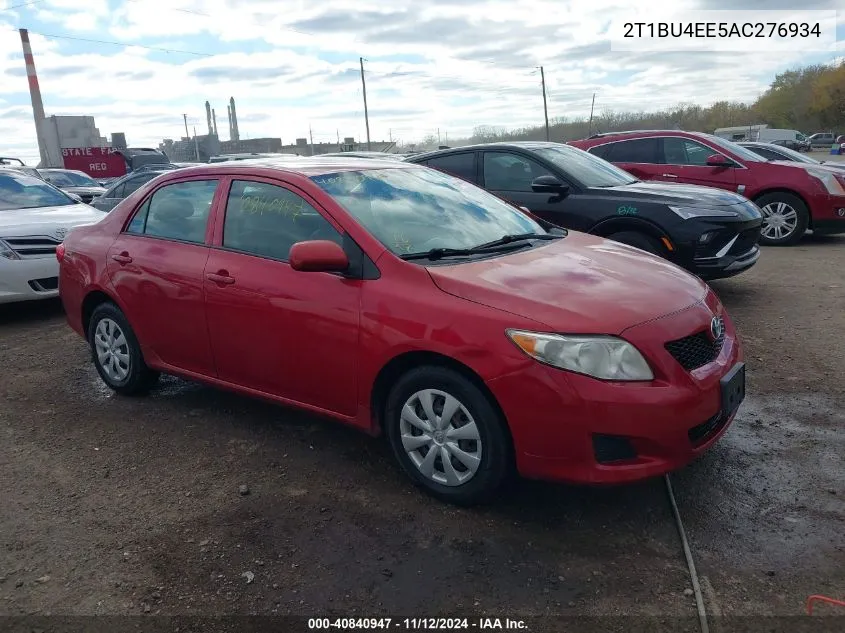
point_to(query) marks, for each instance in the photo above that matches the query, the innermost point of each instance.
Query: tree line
(810, 99)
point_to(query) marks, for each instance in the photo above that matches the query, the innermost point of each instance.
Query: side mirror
(548, 184)
(318, 256)
(717, 160)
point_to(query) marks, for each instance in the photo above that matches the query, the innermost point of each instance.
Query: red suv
(398, 299)
(793, 197)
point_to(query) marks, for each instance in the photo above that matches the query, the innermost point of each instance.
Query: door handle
(123, 258)
(669, 176)
(221, 278)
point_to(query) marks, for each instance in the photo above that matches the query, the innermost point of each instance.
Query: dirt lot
(123, 506)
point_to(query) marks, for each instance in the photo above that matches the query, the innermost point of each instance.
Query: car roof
(596, 138)
(526, 145)
(304, 165)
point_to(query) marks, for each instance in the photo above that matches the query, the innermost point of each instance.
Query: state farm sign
(97, 162)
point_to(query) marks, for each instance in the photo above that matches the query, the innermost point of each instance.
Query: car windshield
(69, 179)
(738, 150)
(415, 210)
(589, 170)
(19, 191)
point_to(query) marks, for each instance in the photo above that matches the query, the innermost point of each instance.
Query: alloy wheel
(779, 220)
(440, 437)
(112, 350)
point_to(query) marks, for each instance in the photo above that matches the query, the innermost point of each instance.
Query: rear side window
(177, 212)
(636, 150)
(460, 165)
(600, 150)
(266, 220)
(767, 153)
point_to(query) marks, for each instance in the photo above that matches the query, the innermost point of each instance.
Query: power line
(124, 44)
(23, 4)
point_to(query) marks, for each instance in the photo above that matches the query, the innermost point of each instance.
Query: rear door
(156, 266)
(685, 160)
(286, 333)
(638, 156)
(510, 175)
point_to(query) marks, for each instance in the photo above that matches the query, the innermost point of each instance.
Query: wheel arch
(406, 361)
(790, 192)
(609, 226)
(93, 299)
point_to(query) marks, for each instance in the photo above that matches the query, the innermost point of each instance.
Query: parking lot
(133, 506)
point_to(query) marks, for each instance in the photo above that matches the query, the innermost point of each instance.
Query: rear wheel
(116, 352)
(785, 219)
(638, 240)
(447, 436)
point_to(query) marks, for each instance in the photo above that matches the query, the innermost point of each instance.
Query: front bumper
(28, 279)
(829, 216)
(730, 247)
(573, 428)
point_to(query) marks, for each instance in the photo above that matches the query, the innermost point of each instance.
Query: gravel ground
(194, 501)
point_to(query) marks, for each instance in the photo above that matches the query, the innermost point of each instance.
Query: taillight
(60, 252)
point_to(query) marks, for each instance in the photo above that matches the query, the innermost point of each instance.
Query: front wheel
(638, 240)
(785, 219)
(447, 436)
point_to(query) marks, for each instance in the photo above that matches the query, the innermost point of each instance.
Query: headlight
(605, 357)
(830, 181)
(7, 252)
(702, 212)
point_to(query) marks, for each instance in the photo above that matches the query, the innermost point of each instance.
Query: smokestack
(229, 111)
(214, 120)
(208, 117)
(35, 95)
(236, 136)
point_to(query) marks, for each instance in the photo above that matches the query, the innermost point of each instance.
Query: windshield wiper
(504, 243)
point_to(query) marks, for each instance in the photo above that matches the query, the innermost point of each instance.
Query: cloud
(447, 64)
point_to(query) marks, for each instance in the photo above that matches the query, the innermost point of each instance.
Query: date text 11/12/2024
(417, 624)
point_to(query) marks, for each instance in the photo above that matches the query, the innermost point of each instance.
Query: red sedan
(398, 299)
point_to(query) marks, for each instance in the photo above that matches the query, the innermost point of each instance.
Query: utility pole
(590, 128)
(366, 113)
(390, 134)
(338, 139)
(187, 134)
(545, 105)
(196, 144)
(438, 136)
(311, 137)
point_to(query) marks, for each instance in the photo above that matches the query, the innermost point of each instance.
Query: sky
(292, 66)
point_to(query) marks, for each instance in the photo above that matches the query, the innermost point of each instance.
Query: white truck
(793, 139)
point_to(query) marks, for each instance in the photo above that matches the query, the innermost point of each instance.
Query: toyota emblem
(717, 328)
(61, 233)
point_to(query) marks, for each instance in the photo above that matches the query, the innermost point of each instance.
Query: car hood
(821, 167)
(673, 194)
(46, 220)
(81, 191)
(580, 284)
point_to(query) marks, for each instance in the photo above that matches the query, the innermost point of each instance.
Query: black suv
(710, 232)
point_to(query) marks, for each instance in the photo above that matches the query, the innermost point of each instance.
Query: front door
(286, 333)
(685, 161)
(509, 175)
(156, 267)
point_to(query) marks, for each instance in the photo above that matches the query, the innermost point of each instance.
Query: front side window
(266, 220)
(504, 171)
(19, 191)
(682, 151)
(414, 210)
(177, 212)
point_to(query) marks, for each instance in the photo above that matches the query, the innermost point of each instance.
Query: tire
(638, 240)
(492, 447)
(794, 217)
(116, 352)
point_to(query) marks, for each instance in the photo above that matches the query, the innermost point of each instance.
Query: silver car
(122, 188)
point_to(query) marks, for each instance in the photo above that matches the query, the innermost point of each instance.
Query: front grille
(612, 448)
(33, 246)
(701, 433)
(696, 350)
(746, 241)
(45, 284)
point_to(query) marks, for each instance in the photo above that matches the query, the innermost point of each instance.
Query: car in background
(407, 302)
(34, 219)
(711, 233)
(126, 186)
(226, 158)
(770, 151)
(793, 197)
(75, 182)
(32, 172)
(794, 145)
(374, 155)
(822, 139)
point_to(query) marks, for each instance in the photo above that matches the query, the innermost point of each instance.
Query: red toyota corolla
(399, 299)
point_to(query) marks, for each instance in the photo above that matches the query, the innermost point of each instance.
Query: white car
(34, 219)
